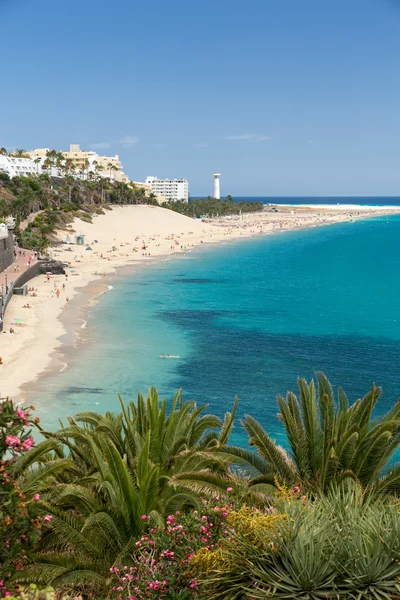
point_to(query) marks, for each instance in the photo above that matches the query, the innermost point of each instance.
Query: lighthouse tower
(217, 193)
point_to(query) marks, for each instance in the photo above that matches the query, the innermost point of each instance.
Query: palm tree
(70, 183)
(329, 442)
(99, 170)
(37, 162)
(20, 153)
(114, 169)
(68, 165)
(3, 151)
(123, 466)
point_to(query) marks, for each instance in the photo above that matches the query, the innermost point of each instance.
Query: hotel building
(105, 166)
(15, 167)
(171, 189)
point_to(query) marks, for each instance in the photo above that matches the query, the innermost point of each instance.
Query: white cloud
(247, 137)
(100, 145)
(128, 140)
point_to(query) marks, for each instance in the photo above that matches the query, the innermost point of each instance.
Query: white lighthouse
(217, 193)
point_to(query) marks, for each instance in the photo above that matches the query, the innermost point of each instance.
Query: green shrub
(344, 546)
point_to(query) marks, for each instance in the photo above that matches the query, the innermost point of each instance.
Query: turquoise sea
(244, 318)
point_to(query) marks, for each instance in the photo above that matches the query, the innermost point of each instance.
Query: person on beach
(58, 293)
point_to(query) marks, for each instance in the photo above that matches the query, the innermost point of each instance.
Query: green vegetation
(153, 502)
(58, 201)
(211, 207)
(329, 442)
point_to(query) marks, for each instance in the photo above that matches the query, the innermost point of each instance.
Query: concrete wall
(29, 274)
(6, 251)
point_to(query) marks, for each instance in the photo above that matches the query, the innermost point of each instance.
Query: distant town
(87, 165)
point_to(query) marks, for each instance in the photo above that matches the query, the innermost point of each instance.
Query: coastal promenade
(20, 265)
(128, 236)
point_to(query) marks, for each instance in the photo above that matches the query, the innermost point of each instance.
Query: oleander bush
(20, 519)
(160, 562)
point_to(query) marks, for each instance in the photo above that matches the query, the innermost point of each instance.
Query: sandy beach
(129, 235)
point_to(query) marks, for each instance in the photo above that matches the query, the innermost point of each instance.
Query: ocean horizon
(313, 200)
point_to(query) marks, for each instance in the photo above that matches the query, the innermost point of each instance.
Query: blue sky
(283, 97)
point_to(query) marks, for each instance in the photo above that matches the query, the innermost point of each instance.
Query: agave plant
(344, 545)
(329, 441)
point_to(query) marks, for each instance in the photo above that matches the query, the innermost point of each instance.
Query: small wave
(109, 288)
(63, 367)
(83, 326)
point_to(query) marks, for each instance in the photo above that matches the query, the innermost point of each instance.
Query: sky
(282, 97)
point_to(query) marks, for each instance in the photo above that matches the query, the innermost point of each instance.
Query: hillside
(57, 201)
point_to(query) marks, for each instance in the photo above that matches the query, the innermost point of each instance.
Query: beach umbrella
(88, 248)
(72, 271)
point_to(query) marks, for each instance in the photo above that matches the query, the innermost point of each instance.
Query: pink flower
(36, 496)
(193, 583)
(28, 443)
(20, 414)
(170, 520)
(144, 517)
(47, 518)
(12, 441)
(229, 489)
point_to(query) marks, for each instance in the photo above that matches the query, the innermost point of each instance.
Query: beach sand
(120, 235)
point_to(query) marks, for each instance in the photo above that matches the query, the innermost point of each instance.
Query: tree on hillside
(20, 153)
(114, 169)
(3, 151)
(37, 162)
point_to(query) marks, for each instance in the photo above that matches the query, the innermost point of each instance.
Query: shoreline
(53, 329)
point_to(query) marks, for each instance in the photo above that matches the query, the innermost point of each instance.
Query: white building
(171, 189)
(15, 167)
(86, 162)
